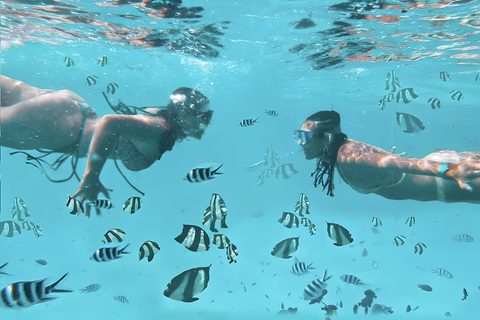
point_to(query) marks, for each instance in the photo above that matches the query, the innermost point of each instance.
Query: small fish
(91, 80)
(442, 273)
(350, 279)
(102, 203)
(409, 123)
(220, 240)
(312, 229)
(189, 283)
(376, 222)
(392, 81)
(364, 252)
(305, 222)
(254, 166)
(112, 87)
(108, 254)
(68, 62)
(132, 204)
(300, 268)
(302, 205)
(285, 248)
(19, 209)
(74, 205)
(339, 234)
(289, 220)
(477, 77)
(103, 61)
(1, 272)
(410, 221)
(374, 265)
(9, 229)
(381, 308)
(444, 76)
(409, 308)
(382, 103)
(217, 210)
(232, 253)
(419, 248)
(114, 235)
(202, 174)
(316, 289)
(389, 97)
(271, 156)
(36, 229)
(91, 288)
(434, 103)
(121, 299)
(425, 287)
(465, 294)
(399, 240)
(148, 249)
(286, 171)
(271, 113)
(194, 238)
(41, 262)
(406, 95)
(248, 122)
(375, 230)
(462, 238)
(456, 95)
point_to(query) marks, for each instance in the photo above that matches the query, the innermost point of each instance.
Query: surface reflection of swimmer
(61, 122)
(446, 176)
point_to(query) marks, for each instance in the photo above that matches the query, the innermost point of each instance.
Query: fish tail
(51, 288)
(121, 250)
(215, 171)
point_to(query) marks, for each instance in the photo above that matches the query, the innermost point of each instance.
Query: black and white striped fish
(286, 171)
(271, 156)
(419, 248)
(114, 235)
(305, 222)
(410, 221)
(101, 203)
(74, 205)
(444, 76)
(132, 204)
(202, 174)
(68, 62)
(248, 122)
(27, 293)
(91, 80)
(91, 288)
(194, 238)
(312, 229)
(381, 308)
(300, 268)
(103, 61)
(406, 95)
(36, 229)
(434, 103)
(302, 205)
(108, 254)
(339, 234)
(456, 95)
(215, 211)
(289, 220)
(188, 284)
(1, 267)
(462, 238)
(399, 240)
(409, 123)
(220, 240)
(271, 113)
(285, 248)
(232, 253)
(148, 249)
(19, 209)
(351, 279)
(376, 222)
(316, 289)
(121, 299)
(443, 273)
(391, 81)
(111, 87)
(389, 97)
(382, 103)
(9, 229)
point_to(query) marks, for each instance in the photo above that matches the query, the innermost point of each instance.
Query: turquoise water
(256, 60)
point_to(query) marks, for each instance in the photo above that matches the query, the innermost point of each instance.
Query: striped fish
(302, 205)
(9, 229)
(477, 77)
(442, 273)
(410, 221)
(132, 204)
(103, 61)
(376, 222)
(382, 103)
(41, 262)
(381, 308)
(285, 248)
(148, 249)
(305, 222)
(232, 253)
(456, 95)
(339, 234)
(220, 240)
(248, 122)
(409, 123)
(271, 113)
(91, 80)
(27, 293)
(202, 174)
(289, 220)
(111, 87)
(444, 76)
(121, 299)
(312, 229)
(188, 284)
(91, 288)
(389, 97)
(316, 290)
(462, 238)
(74, 205)
(215, 211)
(271, 156)
(434, 103)
(68, 62)
(419, 248)
(300, 268)
(108, 254)
(102, 203)
(351, 279)
(286, 171)
(392, 81)
(114, 235)
(406, 95)
(194, 238)
(399, 240)
(36, 229)
(19, 209)
(1, 267)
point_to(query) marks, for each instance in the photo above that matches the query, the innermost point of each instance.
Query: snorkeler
(446, 176)
(61, 122)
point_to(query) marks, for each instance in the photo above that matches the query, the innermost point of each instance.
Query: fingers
(464, 185)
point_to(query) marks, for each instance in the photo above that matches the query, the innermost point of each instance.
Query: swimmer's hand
(465, 171)
(89, 189)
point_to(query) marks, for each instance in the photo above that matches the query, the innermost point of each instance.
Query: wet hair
(327, 122)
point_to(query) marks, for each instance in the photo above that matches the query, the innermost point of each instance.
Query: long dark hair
(327, 122)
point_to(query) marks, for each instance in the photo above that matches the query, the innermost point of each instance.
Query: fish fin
(150, 258)
(192, 299)
(51, 288)
(223, 223)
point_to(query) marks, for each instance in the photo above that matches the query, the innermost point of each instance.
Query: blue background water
(254, 71)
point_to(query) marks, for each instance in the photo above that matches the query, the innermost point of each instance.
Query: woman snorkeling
(446, 176)
(61, 122)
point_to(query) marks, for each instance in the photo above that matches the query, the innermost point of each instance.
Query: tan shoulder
(357, 149)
